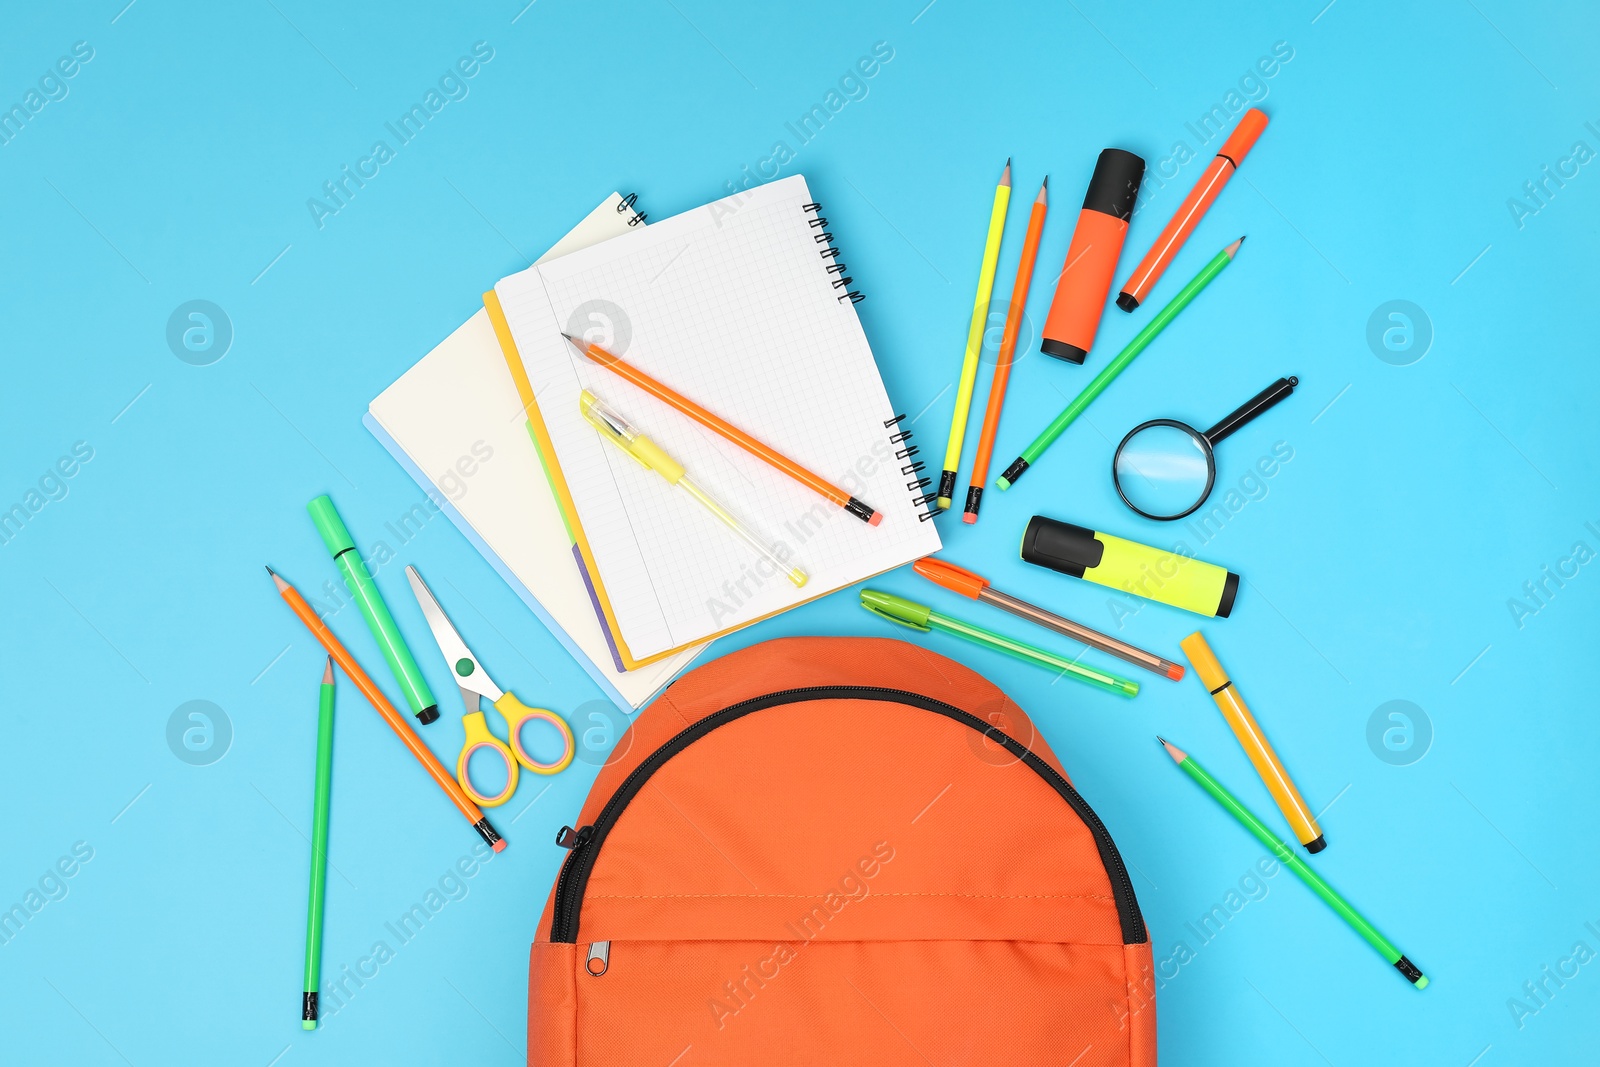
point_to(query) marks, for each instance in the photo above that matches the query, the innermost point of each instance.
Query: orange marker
(1254, 742)
(375, 697)
(726, 429)
(1008, 347)
(1085, 281)
(1194, 206)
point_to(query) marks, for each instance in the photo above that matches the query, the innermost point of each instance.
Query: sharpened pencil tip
(327, 673)
(1233, 249)
(1178, 755)
(1005, 175)
(277, 580)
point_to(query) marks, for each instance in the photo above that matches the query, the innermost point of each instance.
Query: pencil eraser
(969, 518)
(1422, 983)
(308, 1024)
(1175, 672)
(500, 845)
(876, 520)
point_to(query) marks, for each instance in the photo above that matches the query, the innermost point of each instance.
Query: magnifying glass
(1164, 469)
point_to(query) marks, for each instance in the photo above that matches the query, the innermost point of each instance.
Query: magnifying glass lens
(1163, 470)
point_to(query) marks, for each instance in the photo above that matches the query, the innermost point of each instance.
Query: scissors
(475, 684)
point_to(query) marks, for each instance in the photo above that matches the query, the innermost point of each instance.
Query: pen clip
(897, 619)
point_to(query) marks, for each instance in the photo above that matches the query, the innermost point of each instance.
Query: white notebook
(455, 422)
(743, 306)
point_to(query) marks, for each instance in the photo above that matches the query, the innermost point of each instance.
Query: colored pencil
(319, 849)
(1140, 342)
(1008, 348)
(718, 425)
(380, 703)
(1291, 859)
(980, 320)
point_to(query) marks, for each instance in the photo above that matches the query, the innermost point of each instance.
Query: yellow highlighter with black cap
(620, 432)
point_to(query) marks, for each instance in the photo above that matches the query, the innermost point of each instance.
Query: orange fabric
(838, 881)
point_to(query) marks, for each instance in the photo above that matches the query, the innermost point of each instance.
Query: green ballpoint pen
(1140, 342)
(922, 618)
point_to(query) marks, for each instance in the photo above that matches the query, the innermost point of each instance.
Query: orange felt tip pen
(1254, 742)
(1192, 210)
(723, 428)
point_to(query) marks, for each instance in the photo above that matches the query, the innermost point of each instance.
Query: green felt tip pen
(373, 609)
(319, 850)
(1290, 859)
(921, 617)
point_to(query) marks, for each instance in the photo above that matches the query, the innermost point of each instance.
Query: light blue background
(1378, 564)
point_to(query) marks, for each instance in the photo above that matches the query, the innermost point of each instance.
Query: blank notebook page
(732, 306)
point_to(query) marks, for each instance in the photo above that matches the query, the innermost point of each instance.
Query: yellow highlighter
(1254, 742)
(620, 432)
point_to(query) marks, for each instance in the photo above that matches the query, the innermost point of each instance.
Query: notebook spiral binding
(628, 204)
(912, 468)
(840, 279)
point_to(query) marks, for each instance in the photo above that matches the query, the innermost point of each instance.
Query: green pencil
(1097, 385)
(319, 849)
(1290, 859)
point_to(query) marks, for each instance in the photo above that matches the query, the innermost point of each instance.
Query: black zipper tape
(587, 841)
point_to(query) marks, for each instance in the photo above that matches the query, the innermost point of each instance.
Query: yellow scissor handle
(478, 736)
(517, 713)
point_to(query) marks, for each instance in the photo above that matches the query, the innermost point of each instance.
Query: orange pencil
(726, 429)
(375, 697)
(1192, 210)
(1008, 346)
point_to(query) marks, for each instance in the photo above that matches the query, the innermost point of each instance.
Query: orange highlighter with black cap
(1192, 210)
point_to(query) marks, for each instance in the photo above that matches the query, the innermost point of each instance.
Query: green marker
(1140, 342)
(379, 621)
(319, 850)
(1290, 859)
(921, 617)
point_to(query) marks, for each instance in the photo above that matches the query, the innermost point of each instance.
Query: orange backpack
(838, 851)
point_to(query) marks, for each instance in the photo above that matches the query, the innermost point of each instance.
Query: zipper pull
(599, 958)
(567, 837)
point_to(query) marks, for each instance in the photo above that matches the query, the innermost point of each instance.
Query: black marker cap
(1115, 184)
(1318, 845)
(1230, 590)
(1061, 546)
(1061, 350)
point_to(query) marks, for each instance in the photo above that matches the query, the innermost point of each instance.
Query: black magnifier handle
(1257, 404)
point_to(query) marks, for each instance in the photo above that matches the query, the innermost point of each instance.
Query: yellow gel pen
(620, 432)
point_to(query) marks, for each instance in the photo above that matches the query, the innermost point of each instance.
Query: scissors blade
(470, 675)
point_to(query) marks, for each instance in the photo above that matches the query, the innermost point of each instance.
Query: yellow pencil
(980, 319)
(1254, 742)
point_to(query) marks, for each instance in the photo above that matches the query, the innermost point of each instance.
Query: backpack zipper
(585, 842)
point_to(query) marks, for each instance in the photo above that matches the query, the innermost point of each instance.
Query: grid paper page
(729, 304)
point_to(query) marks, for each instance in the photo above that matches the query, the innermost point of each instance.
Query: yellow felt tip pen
(619, 431)
(1254, 742)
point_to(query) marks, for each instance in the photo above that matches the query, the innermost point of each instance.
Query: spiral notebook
(745, 306)
(455, 422)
